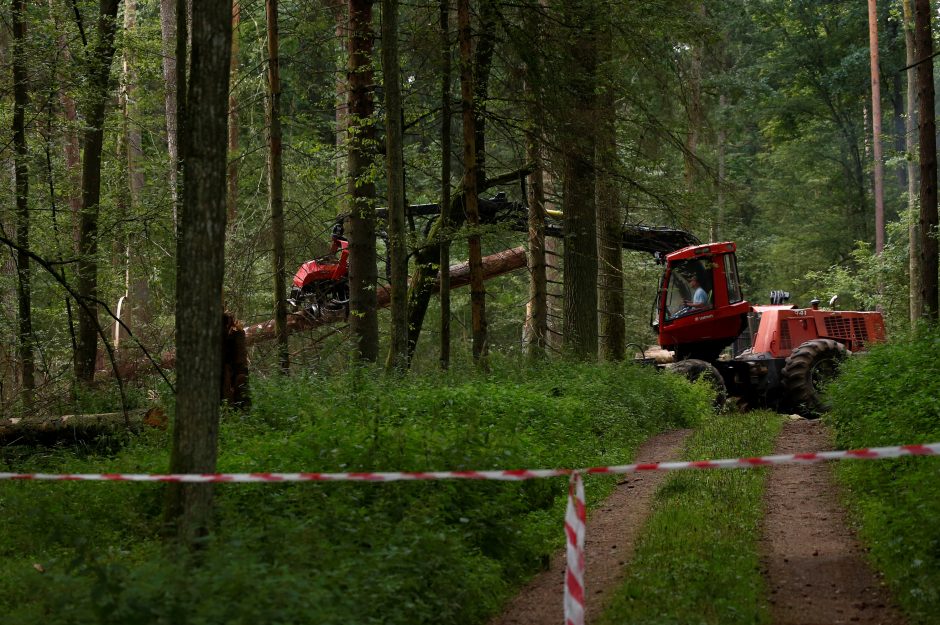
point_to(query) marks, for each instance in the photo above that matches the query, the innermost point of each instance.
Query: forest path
(815, 568)
(612, 530)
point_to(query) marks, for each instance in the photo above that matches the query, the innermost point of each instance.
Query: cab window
(690, 289)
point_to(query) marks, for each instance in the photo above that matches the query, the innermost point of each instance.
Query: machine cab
(699, 308)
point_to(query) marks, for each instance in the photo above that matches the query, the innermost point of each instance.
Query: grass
(891, 396)
(441, 552)
(697, 560)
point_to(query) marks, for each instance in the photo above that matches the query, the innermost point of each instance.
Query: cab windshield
(689, 290)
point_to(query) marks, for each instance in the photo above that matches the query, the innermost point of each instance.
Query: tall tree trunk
(876, 126)
(910, 128)
(99, 56)
(445, 181)
(394, 159)
(168, 33)
(482, 63)
(580, 219)
(275, 183)
(363, 275)
(338, 9)
(535, 332)
(21, 184)
(200, 268)
(137, 285)
(477, 293)
(233, 121)
(694, 105)
(923, 52)
(613, 331)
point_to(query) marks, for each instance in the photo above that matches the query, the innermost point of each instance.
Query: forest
(324, 235)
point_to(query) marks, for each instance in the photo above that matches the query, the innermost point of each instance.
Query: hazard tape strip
(575, 515)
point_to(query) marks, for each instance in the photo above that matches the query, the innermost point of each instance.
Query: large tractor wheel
(811, 366)
(693, 369)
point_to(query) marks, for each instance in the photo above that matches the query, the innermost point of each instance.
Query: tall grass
(697, 561)
(891, 396)
(441, 552)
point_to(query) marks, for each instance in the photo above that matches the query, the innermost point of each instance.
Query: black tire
(693, 369)
(809, 367)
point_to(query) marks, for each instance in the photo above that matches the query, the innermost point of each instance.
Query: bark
(445, 226)
(923, 51)
(21, 185)
(613, 331)
(910, 127)
(200, 262)
(32, 430)
(100, 55)
(137, 286)
(580, 220)
(694, 106)
(535, 333)
(482, 64)
(394, 159)
(338, 11)
(168, 33)
(477, 293)
(363, 275)
(275, 184)
(876, 127)
(233, 121)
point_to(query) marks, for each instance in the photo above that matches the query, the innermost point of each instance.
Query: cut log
(493, 265)
(33, 430)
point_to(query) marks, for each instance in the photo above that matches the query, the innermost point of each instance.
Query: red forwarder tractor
(780, 354)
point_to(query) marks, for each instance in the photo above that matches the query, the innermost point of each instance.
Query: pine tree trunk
(363, 275)
(200, 269)
(445, 182)
(100, 57)
(275, 183)
(168, 33)
(482, 64)
(580, 219)
(910, 128)
(878, 164)
(394, 159)
(233, 121)
(477, 293)
(21, 184)
(923, 52)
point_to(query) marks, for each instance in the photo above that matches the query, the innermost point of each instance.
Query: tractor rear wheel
(811, 366)
(693, 369)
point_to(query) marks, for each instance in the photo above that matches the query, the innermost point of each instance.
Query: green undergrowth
(697, 559)
(407, 552)
(891, 396)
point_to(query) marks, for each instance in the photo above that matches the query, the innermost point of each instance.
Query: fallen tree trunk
(33, 430)
(494, 265)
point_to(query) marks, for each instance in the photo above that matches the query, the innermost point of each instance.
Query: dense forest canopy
(743, 120)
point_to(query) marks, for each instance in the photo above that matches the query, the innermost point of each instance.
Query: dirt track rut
(815, 568)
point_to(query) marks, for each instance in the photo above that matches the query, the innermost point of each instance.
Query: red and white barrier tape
(575, 517)
(575, 526)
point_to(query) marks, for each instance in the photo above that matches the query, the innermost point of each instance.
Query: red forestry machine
(780, 355)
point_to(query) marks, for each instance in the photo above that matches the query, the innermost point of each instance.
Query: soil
(815, 568)
(612, 529)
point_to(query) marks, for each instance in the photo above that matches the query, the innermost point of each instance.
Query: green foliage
(889, 397)
(697, 561)
(442, 552)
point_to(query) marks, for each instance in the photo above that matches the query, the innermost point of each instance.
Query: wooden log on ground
(77, 426)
